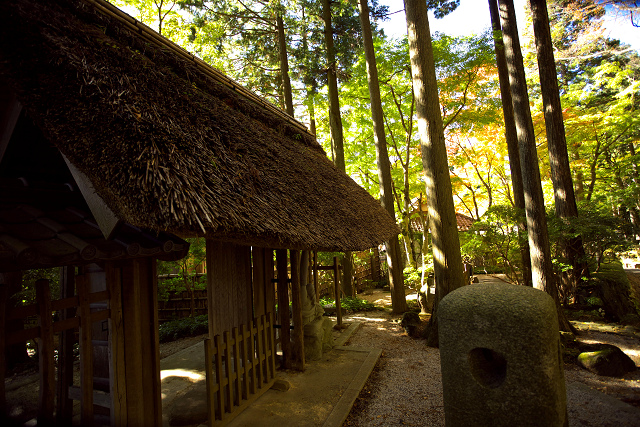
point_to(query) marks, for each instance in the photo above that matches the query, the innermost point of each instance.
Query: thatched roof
(169, 147)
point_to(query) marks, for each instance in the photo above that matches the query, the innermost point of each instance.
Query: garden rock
(607, 360)
(410, 322)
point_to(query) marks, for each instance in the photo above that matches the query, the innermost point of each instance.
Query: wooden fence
(240, 367)
(74, 312)
(370, 271)
(183, 304)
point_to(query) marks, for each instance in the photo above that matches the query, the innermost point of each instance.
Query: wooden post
(298, 327)
(245, 297)
(228, 382)
(270, 290)
(117, 378)
(271, 340)
(237, 378)
(258, 351)
(64, 405)
(131, 300)
(259, 283)
(4, 299)
(336, 280)
(86, 352)
(315, 275)
(147, 281)
(46, 348)
(283, 307)
(244, 353)
(228, 286)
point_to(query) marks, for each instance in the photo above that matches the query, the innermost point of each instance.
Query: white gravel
(406, 386)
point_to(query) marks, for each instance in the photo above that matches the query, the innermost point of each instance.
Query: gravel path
(406, 388)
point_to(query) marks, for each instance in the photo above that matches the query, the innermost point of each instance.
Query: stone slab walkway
(322, 395)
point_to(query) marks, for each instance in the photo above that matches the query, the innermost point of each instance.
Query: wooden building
(113, 141)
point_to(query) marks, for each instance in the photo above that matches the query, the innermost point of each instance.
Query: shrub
(349, 304)
(187, 327)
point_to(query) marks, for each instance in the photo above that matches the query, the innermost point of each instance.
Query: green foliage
(612, 271)
(187, 327)
(182, 275)
(585, 315)
(495, 241)
(413, 276)
(442, 8)
(594, 301)
(351, 304)
(604, 234)
(27, 295)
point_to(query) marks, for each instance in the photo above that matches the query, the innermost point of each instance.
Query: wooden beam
(283, 307)
(298, 327)
(117, 367)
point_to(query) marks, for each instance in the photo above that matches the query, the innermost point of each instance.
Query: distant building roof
(464, 222)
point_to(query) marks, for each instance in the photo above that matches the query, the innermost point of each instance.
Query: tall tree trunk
(312, 111)
(396, 279)
(579, 183)
(310, 88)
(541, 267)
(565, 201)
(284, 66)
(444, 232)
(335, 122)
(511, 136)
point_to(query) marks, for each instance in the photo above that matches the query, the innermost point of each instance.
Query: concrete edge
(344, 337)
(343, 407)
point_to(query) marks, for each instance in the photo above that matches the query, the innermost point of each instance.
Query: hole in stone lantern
(488, 367)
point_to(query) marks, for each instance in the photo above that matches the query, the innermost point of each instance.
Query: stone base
(318, 338)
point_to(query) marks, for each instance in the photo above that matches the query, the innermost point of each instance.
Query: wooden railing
(240, 367)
